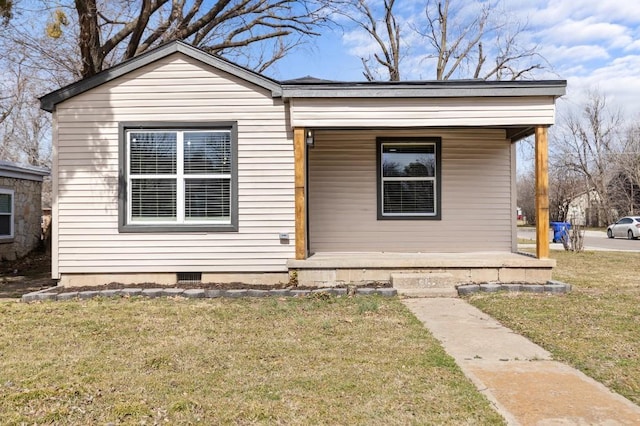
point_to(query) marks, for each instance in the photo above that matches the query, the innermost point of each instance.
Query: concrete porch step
(427, 292)
(424, 284)
(427, 279)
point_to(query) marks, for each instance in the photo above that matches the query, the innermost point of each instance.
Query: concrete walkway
(517, 376)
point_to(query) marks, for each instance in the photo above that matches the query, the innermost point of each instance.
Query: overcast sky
(593, 44)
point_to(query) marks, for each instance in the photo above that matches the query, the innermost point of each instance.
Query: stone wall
(26, 218)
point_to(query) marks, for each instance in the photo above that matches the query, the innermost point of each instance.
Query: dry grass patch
(526, 241)
(362, 360)
(596, 327)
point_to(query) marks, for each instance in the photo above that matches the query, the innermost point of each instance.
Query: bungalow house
(584, 209)
(20, 209)
(178, 164)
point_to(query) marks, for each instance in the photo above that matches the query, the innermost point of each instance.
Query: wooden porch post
(542, 193)
(299, 147)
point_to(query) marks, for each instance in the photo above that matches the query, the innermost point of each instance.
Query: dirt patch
(25, 275)
(33, 272)
(205, 286)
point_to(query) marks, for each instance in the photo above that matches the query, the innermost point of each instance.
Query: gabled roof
(48, 101)
(16, 171)
(311, 87)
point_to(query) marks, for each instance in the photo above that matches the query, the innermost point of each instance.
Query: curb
(151, 293)
(553, 287)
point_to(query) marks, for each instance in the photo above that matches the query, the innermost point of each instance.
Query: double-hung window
(179, 178)
(6, 213)
(408, 178)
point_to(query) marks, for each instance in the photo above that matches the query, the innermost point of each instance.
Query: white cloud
(617, 80)
(591, 43)
(359, 43)
(633, 46)
(609, 10)
(588, 30)
(562, 57)
(550, 12)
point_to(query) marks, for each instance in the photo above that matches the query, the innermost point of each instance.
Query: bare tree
(7, 103)
(384, 30)
(625, 185)
(42, 41)
(480, 43)
(460, 42)
(27, 72)
(588, 144)
(7, 100)
(526, 190)
(50, 43)
(111, 32)
(564, 185)
(451, 47)
(24, 129)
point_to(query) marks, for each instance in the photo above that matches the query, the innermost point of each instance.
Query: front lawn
(318, 360)
(595, 328)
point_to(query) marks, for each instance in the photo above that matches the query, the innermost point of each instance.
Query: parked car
(627, 227)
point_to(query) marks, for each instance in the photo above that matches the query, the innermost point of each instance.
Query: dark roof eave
(13, 170)
(49, 101)
(554, 88)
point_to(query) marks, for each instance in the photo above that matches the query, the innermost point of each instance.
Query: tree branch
(138, 30)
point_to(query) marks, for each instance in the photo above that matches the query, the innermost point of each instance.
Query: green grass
(361, 360)
(595, 328)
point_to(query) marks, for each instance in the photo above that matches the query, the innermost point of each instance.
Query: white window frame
(436, 179)
(180, 178)
(11, 214)
(128, 224)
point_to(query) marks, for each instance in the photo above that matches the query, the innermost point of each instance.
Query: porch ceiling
(517, 133)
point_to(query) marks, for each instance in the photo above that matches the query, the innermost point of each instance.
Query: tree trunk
(89, 37)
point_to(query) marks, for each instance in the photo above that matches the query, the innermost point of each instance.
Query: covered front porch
(410, 273)
(416, 187)
(340, 239)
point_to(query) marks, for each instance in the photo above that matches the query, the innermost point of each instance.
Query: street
(593, 240)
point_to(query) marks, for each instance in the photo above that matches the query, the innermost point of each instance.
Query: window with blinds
(408, 178)
(179, 177)
(6, 213)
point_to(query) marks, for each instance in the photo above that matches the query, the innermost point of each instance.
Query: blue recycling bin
(560, 231)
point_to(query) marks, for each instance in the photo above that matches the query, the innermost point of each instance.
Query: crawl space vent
(189, 277)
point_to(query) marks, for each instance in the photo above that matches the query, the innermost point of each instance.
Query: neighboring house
(585, 209)
(20, 211)
(181, 164)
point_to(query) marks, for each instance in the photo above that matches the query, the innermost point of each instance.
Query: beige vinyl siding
(476, 195)
(54, 196)
(415, 112)
(176, 88)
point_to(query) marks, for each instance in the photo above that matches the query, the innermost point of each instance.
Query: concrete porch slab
(413, 272)
(343, 260)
